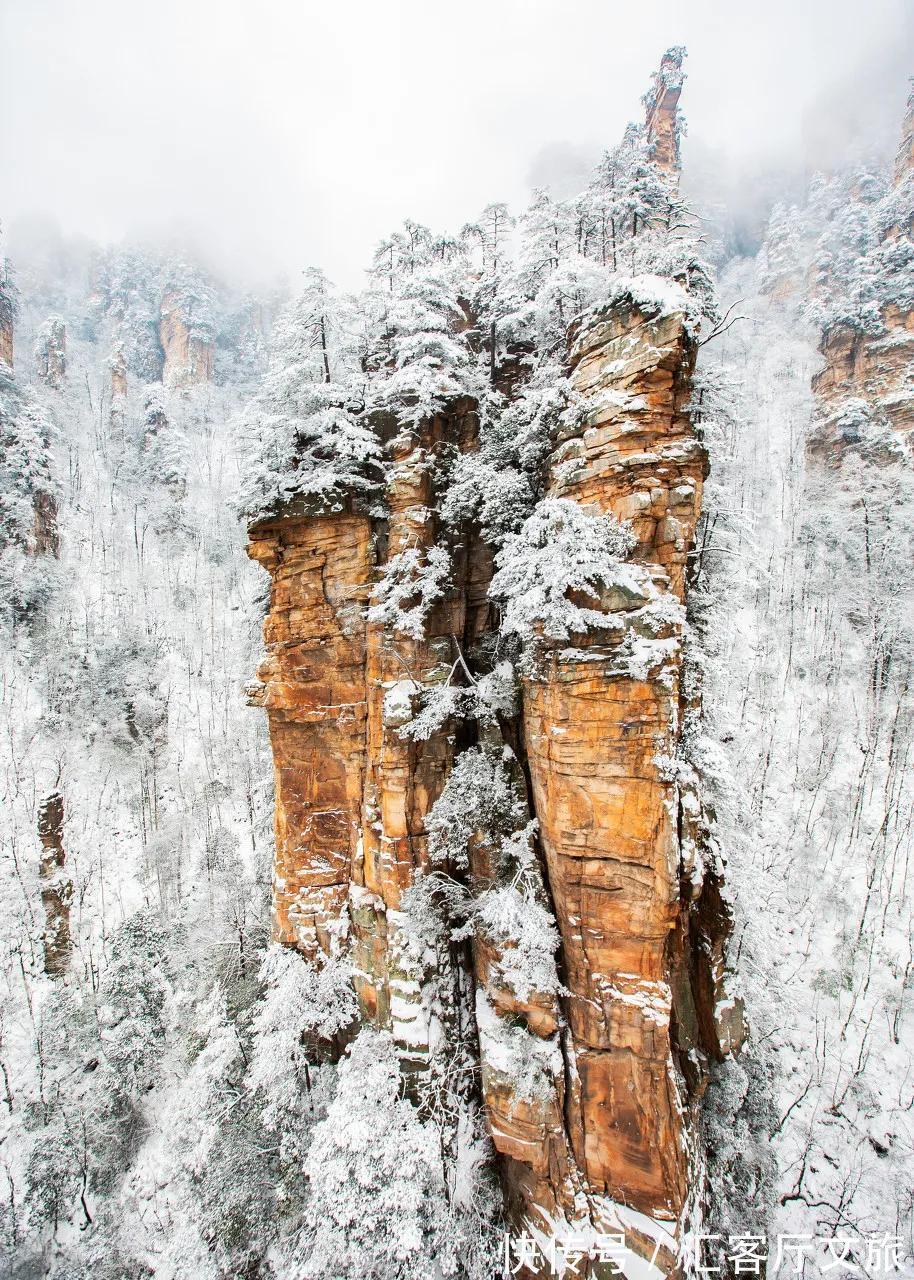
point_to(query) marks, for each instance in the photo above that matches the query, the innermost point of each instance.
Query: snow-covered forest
(222, 1055)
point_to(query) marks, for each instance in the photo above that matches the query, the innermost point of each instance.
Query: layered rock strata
(591, 1076)
(599, 725)
(314, 687)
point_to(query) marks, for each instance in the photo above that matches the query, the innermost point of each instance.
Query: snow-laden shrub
(112, 689)
(128, 287)
(163, 448)
(132, 996)
(27, 585)
(561, 548)
(574, 284)
(26, 470)
(497, 496)
(859, 268)
(215, 1069)
(515, 918)
(495, 486)
(480, 798)
(413, 582)
(323, 455)
(193, 298)
(425, 710)
(528, 1062)
(303, 1003)
(226, 1197)
(9, 293)
(483, 804)
(419, 364)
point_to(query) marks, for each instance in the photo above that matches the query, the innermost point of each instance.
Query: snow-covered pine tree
(309, 437)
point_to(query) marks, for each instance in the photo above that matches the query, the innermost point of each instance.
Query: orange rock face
(314, 688)
(46, 535)
(591, 1076)
(872, 369)
(600, 722)
(118, 376)
(188, 360)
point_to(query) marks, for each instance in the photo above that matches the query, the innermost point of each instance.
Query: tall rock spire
(662, 122)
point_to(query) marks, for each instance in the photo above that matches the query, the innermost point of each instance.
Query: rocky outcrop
(118, 369)
(606, 1133)
(866, 389)
(189, 354)
(313, 684)
(46, 531)
(51, 352)
(56, 886)
(117, 366)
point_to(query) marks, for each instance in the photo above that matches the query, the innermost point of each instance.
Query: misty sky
(284, 132)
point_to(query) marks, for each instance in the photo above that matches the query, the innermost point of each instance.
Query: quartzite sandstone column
(602, 722)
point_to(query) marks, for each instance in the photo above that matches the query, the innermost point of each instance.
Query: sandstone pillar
(602, 721)
(661, 106)
(51, 352)
(188, 357)
(56, 887)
